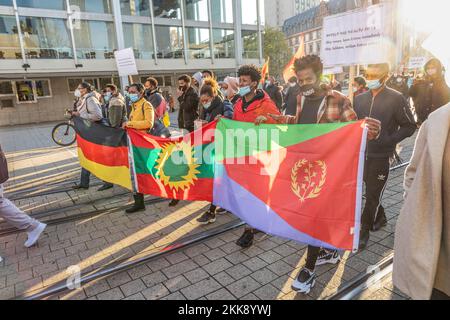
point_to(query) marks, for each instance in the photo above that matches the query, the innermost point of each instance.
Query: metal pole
(260, 44)
(183, 25)
(119, 35)
(72, 35)
(211, 39)
(238, 31)
(19, 31)
(152, 16)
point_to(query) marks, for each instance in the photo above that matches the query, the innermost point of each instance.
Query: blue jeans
(85, 178)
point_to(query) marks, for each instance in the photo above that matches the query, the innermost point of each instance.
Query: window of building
(222, 10)
(169, 42)
(196, 10)
(198, 43)
(6, 3)
(249, 13)
(9, 44)
(93, 81)
(44, 4)
(250, 44)
(73, 83)
(135, 7)
(98, 6)
(25, 92)
(167, 81)
(95, 40)
(43, 88)
(6, 88)
(224, 44)
(139, 37)
(6, 103)
(46, 38)
(167, 9)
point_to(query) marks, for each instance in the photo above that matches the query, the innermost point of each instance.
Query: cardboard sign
(126, 62)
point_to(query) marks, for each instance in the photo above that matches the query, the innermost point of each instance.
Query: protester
(360, 86)
(88, 108)
(254, 106)
(13, 215)
(154, 95)
(197, 81)
(142, 118)
(319, 104)
(115, 112)
(336, 85)
(273, 91)
(392, 109)
(431, 93)
(422, 241)
(399, 83)
(189, 102)
(208, 74)
(293, 90)
(232, 89)
(212, 108)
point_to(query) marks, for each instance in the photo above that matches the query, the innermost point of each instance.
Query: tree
(276, 47)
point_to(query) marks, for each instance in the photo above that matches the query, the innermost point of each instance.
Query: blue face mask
(374, 84)
(244, 91)
(134, 97)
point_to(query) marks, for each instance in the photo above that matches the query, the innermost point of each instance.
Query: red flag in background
(265, 70)
(288, 70)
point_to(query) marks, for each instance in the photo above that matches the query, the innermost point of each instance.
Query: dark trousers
(376, 175)
(439, 295)
(85, 178)
(311, 257)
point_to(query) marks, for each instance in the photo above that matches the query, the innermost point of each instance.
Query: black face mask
(309, 90)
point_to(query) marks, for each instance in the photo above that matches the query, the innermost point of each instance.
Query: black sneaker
(174, 203)
(306, 280)
(80, 187)
(363, 240)
(246, 240)
(221, 211)
(207, 218)
(105, 187)
(328, 257)
(380, 221)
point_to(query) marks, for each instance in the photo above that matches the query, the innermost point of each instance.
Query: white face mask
(293, 84)
(77, 93)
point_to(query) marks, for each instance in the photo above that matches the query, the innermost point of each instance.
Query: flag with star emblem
(181, 168)
(299, 182)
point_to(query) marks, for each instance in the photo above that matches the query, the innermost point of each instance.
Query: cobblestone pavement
(214, 269)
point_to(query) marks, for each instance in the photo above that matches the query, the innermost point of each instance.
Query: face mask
(134, 97)
(292, 84)
(224, 92)
(107, 98)
(207, 105)
(374, 84)
(308, 90)
(77, 93)
(244, 91)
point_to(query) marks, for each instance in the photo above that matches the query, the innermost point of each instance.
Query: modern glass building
(48, 46)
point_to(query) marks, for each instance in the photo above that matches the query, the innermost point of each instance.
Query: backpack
(158, 129)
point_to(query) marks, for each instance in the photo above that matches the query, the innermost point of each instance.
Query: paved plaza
(102, 235)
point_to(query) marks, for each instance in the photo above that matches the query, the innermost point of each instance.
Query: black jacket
(397, 121)
(188, 109)
(399, 84)
(429, 96)
(3, 167)
(274, 94)
(218, 108)
(290, 105)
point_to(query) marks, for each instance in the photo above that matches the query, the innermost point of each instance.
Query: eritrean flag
(103, 151)
(300, 182)
(181, 168)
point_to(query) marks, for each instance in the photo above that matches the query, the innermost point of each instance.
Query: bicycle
(64, 134)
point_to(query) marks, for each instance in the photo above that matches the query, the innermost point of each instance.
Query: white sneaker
(34, 235)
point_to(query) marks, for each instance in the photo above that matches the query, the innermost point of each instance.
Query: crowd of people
(381, 98)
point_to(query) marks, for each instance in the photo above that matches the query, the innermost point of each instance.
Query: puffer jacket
(217, 108)
(260, 105)
(158, 102)
(142, 116)
(90, 108)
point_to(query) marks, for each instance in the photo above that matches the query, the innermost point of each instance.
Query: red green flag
(181, 168)
(300, 182)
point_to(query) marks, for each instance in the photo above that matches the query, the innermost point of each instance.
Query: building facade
(47, 47)
(308, 24)
(278, 11)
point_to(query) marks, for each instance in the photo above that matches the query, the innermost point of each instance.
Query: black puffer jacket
(3, 167)
(290, 106)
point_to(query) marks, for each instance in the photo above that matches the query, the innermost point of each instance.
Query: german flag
(103, 151)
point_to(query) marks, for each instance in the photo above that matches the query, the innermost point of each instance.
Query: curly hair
(250, 70)
(210, 87)
(309, 62)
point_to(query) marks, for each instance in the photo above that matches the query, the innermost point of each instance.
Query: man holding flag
(319, 104)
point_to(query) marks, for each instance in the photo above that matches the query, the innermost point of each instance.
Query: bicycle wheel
(64, 134)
